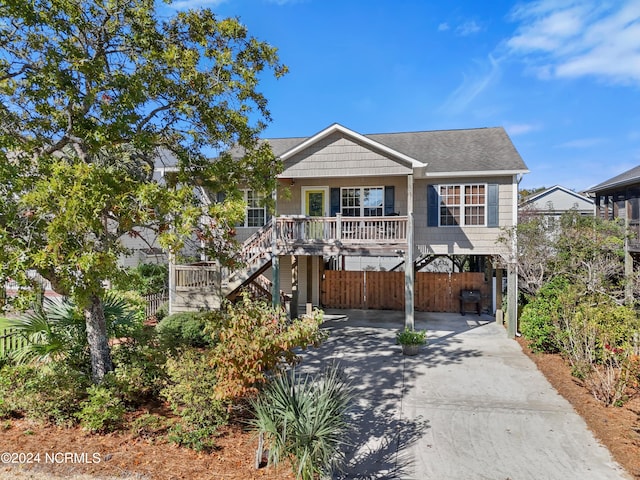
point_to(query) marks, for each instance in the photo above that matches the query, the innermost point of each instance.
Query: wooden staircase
(255, 258)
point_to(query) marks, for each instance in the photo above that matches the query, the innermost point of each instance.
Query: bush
(185, 329)
(411, 337)
(149, 426)
(541, 318)
(254, 339)
(145, 278)
(102, 411)
(190, 390)
(304, 420)
(139, 371)
(597, 339)
(198, 439)
(49, 393)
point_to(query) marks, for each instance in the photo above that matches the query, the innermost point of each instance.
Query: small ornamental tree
(91, 94)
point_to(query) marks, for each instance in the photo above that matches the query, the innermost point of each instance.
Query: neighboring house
(619, 197)
(409, 196)
(553, 202)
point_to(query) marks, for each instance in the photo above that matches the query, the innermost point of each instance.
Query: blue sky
(562, 77)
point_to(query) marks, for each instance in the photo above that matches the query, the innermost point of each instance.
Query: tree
(91, 94)
(588, 251)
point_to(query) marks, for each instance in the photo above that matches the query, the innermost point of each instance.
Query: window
(373, 201)
(362, 201)
(351, 202)
(256, 214)
(462, 205)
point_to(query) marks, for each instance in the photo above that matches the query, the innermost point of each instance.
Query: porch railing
(195, 276)
(344, 229)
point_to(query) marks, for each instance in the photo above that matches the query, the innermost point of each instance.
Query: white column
(408, 261)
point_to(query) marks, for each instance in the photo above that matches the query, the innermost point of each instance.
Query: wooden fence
(154, 302)
(9, 342)
(434, 292)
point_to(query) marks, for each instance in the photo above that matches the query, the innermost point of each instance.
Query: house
(553, 202)
(411, 196)
(619, 198)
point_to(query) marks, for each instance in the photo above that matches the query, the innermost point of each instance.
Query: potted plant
(411, 340)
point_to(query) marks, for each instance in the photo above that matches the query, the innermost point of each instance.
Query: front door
(315, 200)
(314, 203)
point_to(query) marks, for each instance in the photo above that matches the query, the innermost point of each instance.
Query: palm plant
(305, 420)
(56, 329)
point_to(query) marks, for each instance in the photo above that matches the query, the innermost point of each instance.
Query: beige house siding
(470, 240)
(338, 156)
(290, 203)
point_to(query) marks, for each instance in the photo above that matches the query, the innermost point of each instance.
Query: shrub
(190, 390)
(102, 411)
(57, 331)
(541, 318)
(185, 329)
(149, 426)
(138, 368)
(145, 278)
(198, 439)
(304, 420)
(411, 337)
(49, 393)
(597, 340)
(254, 339)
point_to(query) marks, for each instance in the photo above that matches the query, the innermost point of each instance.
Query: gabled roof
(626, 178)
(538, 195)
(442, 152)
(365, 140)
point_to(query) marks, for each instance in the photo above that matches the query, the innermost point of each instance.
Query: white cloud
(576, 38)
(443, 27)
(471, 88)
(520, 128)
(468, 28)
(583, 143)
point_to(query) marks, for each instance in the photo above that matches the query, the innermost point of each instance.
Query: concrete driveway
(470, 405)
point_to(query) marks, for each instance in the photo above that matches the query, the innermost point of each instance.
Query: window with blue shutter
(432, 206)
(334, 201)
(389, 200)
(492, 205)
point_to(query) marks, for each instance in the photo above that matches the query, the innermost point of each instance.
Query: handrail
(344, 229)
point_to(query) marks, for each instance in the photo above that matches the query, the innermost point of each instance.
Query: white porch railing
(188, 277)
(189, 281)
(345, 229)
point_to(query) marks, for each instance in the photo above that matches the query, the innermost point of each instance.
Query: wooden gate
(434, 292)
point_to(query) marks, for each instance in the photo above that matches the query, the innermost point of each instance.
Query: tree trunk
(97, 338)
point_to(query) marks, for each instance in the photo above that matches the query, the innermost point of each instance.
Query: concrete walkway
(470, 405)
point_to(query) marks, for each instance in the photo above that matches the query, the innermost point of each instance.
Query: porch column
(275, 260)
(512, 299)
(295, 296)
(499, 288)
(512, 270)
(408, 261)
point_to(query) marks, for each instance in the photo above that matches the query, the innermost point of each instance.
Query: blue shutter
(334, 201)
(389, 200)
(432, 206)
(492, 205)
